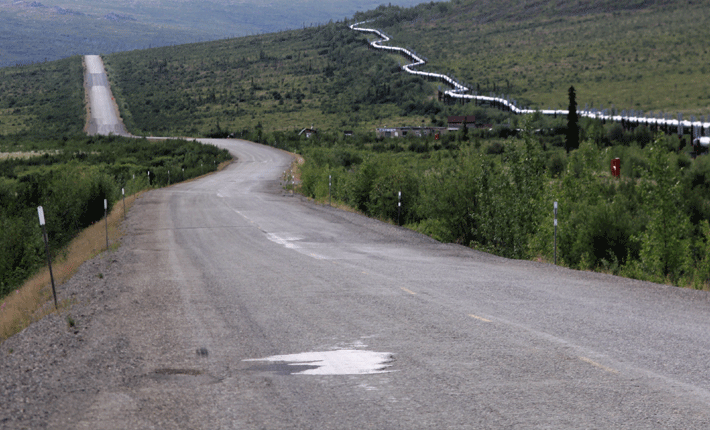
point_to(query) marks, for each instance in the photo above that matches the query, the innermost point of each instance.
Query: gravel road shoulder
(51, 367)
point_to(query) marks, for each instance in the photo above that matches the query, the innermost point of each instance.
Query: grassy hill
(323, 77)
(641, 55)
(644, 56)
(43, 99)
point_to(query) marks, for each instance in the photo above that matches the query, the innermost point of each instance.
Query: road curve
(245, 307)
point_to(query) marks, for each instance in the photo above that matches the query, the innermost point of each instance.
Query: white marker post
(40, 212)
(555, 233)
(123, 193)
(399, 206)
(106, 216)
(330, 178)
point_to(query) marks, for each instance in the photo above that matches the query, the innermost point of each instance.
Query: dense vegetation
(498, 197)
(70, 179)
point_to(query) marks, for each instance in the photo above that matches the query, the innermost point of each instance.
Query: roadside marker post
(106, 217)
(40, 212)
(555, 233)
(399, 206)
(123, 193)
(329, 185)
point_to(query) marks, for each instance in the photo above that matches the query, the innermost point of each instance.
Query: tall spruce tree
(572, 141)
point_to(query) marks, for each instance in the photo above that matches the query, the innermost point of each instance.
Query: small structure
(308, 132)
(410, 131)
(458, 122)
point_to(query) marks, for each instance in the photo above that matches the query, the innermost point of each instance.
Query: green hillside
(43, 99)
(641, 55)
(323, 77)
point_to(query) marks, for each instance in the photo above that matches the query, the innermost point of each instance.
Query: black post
(555, 233)
(40, 212)
(399, 207)
(106, 216)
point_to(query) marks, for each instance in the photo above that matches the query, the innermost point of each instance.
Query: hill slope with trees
(641, 55)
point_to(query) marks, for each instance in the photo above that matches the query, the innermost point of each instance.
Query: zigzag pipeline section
(459, 91)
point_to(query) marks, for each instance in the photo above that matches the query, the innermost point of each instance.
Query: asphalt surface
(104, 118)
(250, 308)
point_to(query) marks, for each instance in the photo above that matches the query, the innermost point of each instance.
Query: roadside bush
(665, 244)
(450, 196)
(384, 194)
(701, 277)
(556, 163)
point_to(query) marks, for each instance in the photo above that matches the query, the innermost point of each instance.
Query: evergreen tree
(572, 141)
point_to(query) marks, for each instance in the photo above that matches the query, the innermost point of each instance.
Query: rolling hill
(640, 55)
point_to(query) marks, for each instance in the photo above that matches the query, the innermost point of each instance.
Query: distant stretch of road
(104, 119)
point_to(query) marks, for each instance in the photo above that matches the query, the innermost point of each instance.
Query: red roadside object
(616, 167)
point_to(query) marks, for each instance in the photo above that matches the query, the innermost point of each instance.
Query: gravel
(52, 366)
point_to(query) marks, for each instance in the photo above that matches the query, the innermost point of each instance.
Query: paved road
(104, 119)
(254, 309)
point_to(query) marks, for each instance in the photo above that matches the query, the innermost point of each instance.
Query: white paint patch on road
(288, 242)
(285, 241)
(339, 362)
